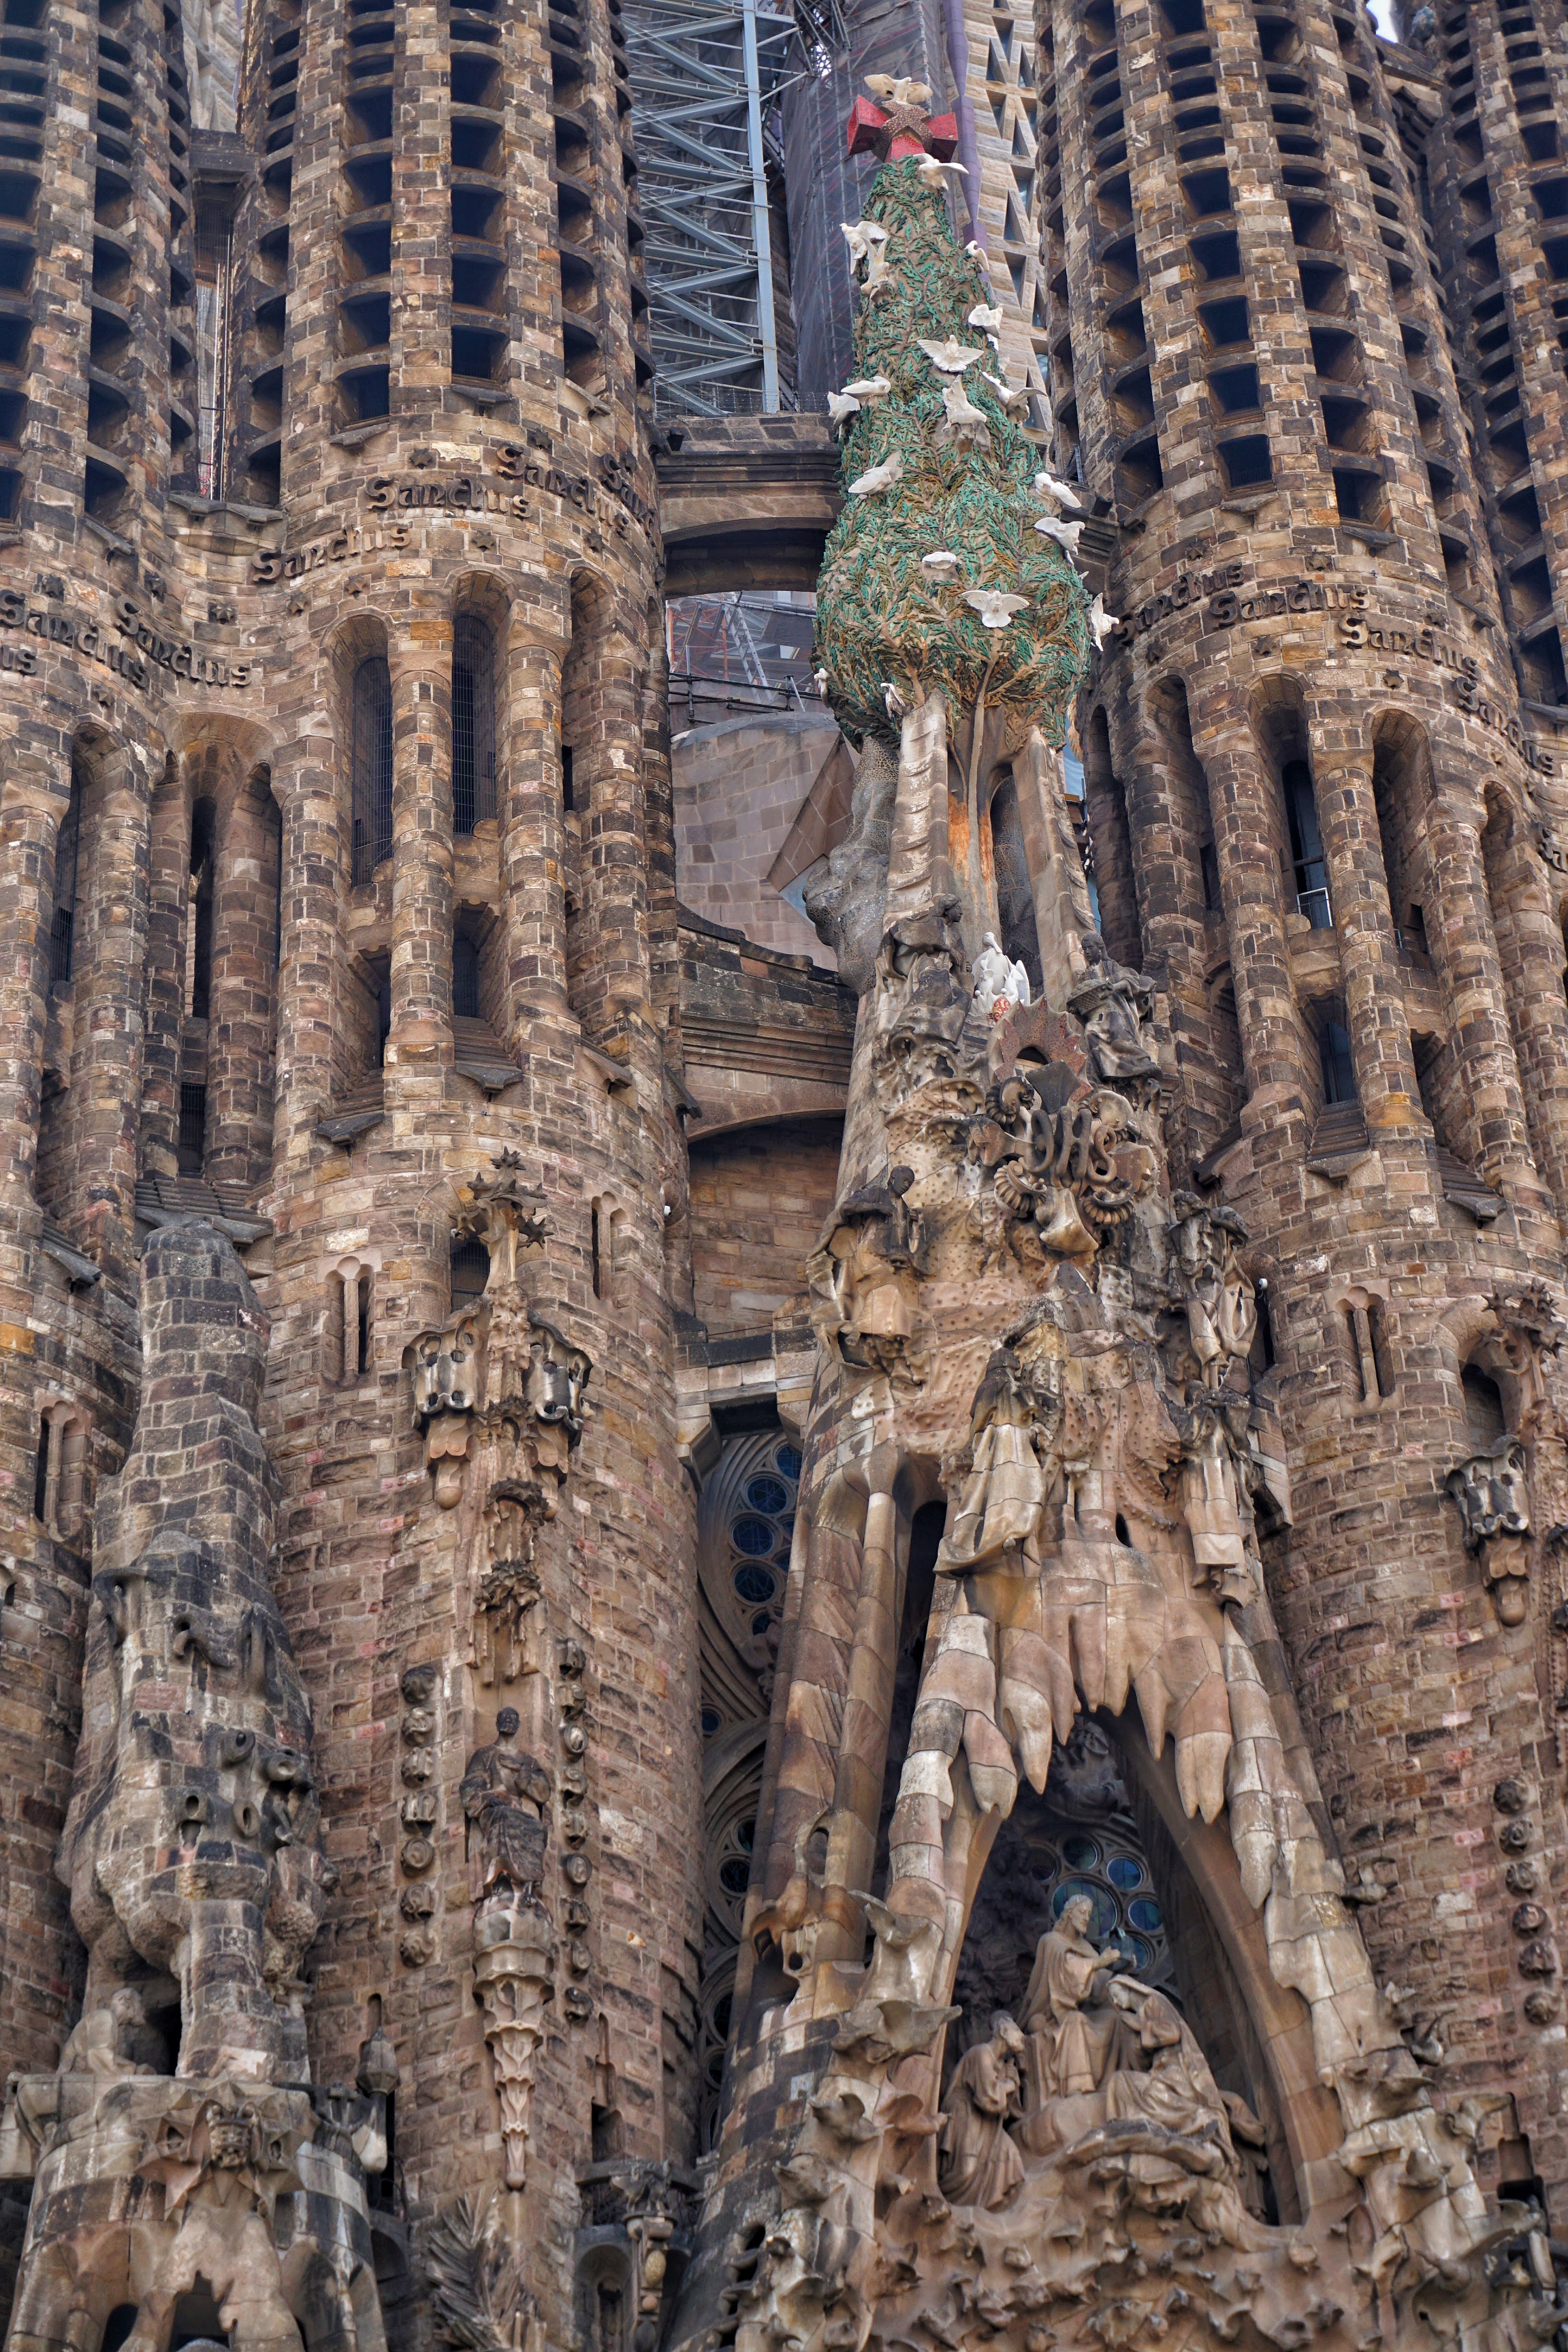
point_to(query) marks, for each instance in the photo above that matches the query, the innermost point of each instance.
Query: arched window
(470, 1272)
(473, 725)
(68, 853)
(371, 759)
(1306, 851)
(1484, 1413)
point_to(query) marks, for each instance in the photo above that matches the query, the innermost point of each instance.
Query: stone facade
(610, 1490)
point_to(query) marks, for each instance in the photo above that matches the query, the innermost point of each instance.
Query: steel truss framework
(708, 78)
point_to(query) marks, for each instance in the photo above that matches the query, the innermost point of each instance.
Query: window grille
(67, 851)
(470, 1272)
(371, 757)
(473, 725)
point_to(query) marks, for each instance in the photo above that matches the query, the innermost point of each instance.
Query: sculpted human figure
(1220, 1301)
(113, 2040)
(1076, 2035)
(1114, 1005)
(867, 1264)
(998, 978)
(504, 1793)
(1013, 1424)
(980, 2165)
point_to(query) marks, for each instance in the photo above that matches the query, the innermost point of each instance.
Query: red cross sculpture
(894, 131)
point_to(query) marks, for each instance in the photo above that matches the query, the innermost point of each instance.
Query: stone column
(244, 982)
(1464, 948)
(168, 907)
(419, 1046)
(863, 1747)
(1530, 950)
(31, 811)
(315, 867)
(421, 348)
(1358, 892)
(106, 1051)
(1252, 890)
(533, 839)
(612, 998)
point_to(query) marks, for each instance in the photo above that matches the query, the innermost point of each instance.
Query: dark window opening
(470, 1272)
(41, 1474)
(473, 725)
(193, 1144)
(371, 766)
(1307, 848)
(567, 799)
(199, 973)
(119, 2326)
(361, 1328)
(464, 979)
(197, 2319)
(1484, 1413)
(596, 1251)
(1339, 1069)
(1260, 1358)
(68, 853)
(1208, 860)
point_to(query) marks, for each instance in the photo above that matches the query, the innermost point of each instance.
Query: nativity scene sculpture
(1020, 1313)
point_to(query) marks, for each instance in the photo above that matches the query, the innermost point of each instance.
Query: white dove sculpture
(994, 606)
(950, 357)
(819, 679)
(1061, 493)
(856, 238)
(985, 315)
(877, 479)
(895, 701)
(931, 169)
(878, 276)
(1011, 395)
(869, 388)
(961, 409)
(940, 564)
(841, 405)
(1066, 534)
(1101, 622)
(981, 258)
(900, 90)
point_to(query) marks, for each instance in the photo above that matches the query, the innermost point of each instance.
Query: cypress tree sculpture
(935, 579)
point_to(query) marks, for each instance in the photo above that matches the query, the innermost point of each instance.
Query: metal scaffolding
(708, 80)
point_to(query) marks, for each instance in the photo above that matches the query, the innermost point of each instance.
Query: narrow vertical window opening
(371, 766)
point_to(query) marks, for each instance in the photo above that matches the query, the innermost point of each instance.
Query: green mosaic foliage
(880, 615)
